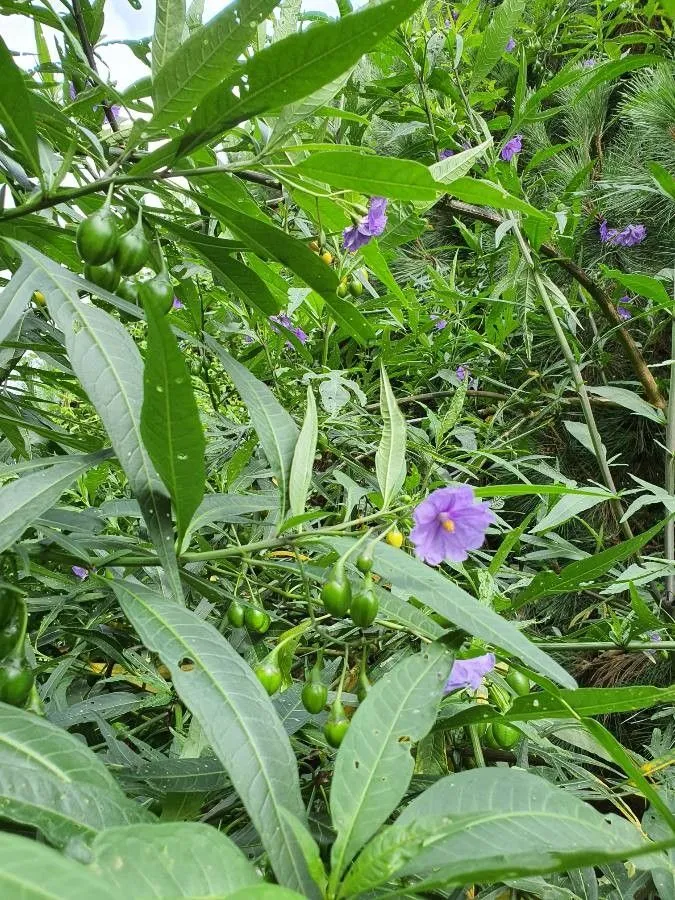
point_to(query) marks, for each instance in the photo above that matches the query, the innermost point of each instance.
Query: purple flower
(80, 572)
(588, 63)
(285, 321)
(469, 673)
(511, 45)
(177, 304)
(440, 324)
(461, 373)
(630, 236)
(512, 148)
(371, 225)
(448, 523)
(624, 313)
(446, 154)
(455, 14)
(655, 638)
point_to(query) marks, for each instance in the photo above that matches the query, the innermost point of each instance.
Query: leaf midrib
(197, 658)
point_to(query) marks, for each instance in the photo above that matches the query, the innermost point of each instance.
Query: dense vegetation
(337, 435)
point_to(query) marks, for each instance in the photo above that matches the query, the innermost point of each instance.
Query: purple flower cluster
(371, 225)
(512, 148)
(284, 320)
(449, 523)
(469, 673)
(630, 236)
(624, 313)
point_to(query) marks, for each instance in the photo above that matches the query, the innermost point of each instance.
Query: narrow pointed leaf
(383, 176)
(168, 31)
(275, 427)
(374, 764)
(390, 457)
(303, 458)
(16, 110)
(292, 69)
(237, 716)
(170, 424)
(493, 46)
(109, 367)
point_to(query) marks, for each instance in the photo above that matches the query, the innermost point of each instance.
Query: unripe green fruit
(9, 598)
(157, 293)
(16, 681)
(314, 696)
(364, 607)
(256, 619)
(342, 289)
(269, 675)
(364, 562)
(132, 251)
(9, 637)
(519, 682)
(236, 614)
(506, 736)
(97, 237)
(336, 594)
(105, 275)
(355, 287)
(127, 290)
(337, 725)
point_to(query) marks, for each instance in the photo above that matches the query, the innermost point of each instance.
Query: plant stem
(578, 379)
(476, 747)
(669, 541)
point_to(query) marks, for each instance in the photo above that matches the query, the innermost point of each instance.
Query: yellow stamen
(449, 525)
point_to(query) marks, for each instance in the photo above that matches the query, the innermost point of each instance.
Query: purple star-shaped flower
(512, 148)
(624, 313)
(80, 572)
(177, 304)
(588, 63)
(511, 45)
(630, 236)
(469, 673)
(461, 373)
(283, 319)
(446, 154)
(449, 523)
(371, 225)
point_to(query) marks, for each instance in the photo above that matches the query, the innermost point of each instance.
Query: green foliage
(232, 662)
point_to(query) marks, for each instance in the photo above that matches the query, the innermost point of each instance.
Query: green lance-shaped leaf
(490, 824)
(497, 34)
(51, 781)
(292, 69)
(237, 717)
(205, 59)
(168, 31)
(266, 240)
(390, 456)
(428, 585)
(303, 458)
(15, 298)
(16, 110)
(564, 705)
(176, 859)
(382, 176)
(24, 500)
(374, 764)
(27, 867)
(110, 369)
(170, 425)
(487, 193)
(275, 427)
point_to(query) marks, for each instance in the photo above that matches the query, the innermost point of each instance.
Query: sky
(122, 22)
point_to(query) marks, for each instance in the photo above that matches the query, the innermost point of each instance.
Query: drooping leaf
(414, 578)
(205, 59)
(382, 176)
(303, 458)
(563, 705)
(51, 781)
(487, 193)
(629, 400)
(16, 111)
(292, 69)
(26, 867)
(266, 240)
(24, 500)
(236, 715)
(521, 823)
(109, 367)
(276, 429)
(390, 456)
(229, 508)
(15, 297)
(170, 425)
(374, 764)
(493, 46)
(172, 859)
(168, 31)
